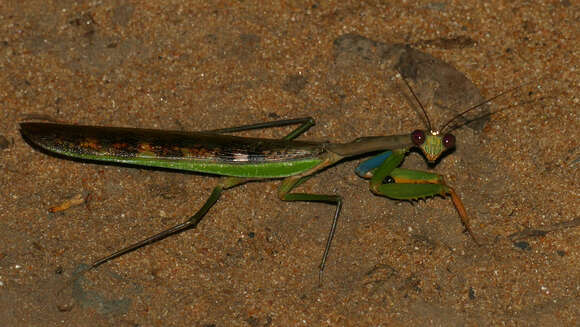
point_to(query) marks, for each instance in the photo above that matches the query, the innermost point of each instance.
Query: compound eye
(418, 137)
(448, 141)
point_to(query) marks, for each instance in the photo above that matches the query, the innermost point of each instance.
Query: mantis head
(435, 143)
(432, 144)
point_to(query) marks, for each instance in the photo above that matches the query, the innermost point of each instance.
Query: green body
(211, 153)
(244, 159)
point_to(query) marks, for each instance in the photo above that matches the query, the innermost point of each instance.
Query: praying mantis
(245, 159)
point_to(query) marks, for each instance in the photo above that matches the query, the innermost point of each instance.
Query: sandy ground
(253, 261)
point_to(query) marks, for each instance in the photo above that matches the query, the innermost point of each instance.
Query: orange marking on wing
(145, 147)
(90, 144)
(119, 146)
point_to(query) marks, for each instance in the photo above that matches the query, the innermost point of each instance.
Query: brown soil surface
(253, 260)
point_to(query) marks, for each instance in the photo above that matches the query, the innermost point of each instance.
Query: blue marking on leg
(366, 166)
